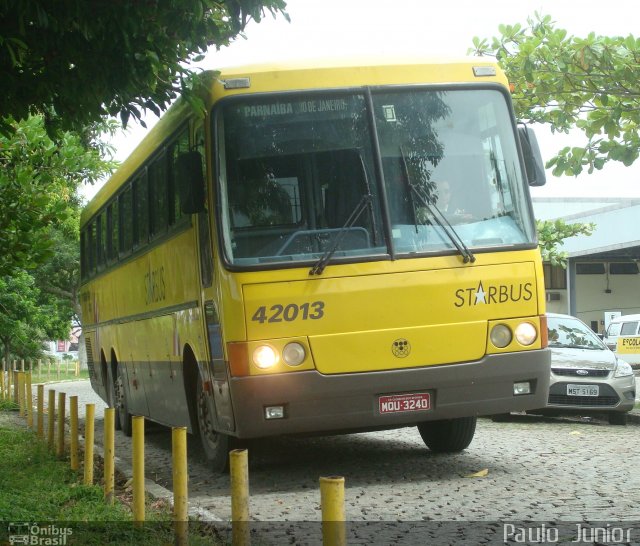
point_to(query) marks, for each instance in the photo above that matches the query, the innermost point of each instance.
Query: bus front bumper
(316, 403)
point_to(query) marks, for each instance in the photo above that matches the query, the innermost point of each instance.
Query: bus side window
(101, 239)
(91, 248)
(141, 208)
(84, 256)
(125, 203)
(112, 231)
(180, 146)
(158, 196)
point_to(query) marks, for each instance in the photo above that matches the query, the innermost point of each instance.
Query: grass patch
(38, 487)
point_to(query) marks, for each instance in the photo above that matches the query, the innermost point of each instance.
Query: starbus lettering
(259, 110)
(493, 294)
(154, 285)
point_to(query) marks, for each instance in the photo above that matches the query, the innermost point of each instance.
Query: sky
(446, 28)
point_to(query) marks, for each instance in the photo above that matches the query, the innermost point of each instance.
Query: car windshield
(310, 177)
(572, 333)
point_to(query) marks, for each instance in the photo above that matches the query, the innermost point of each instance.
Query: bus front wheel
(448, 435)
(216, 445)
(121, 404)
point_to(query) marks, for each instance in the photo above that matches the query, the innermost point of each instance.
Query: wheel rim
(119, 394)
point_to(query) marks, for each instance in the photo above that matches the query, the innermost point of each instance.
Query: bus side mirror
(190, 179)
(532, 157)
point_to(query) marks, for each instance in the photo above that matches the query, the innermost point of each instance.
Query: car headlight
(623, 369)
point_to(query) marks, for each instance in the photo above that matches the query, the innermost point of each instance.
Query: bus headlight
(265, 357)
(501, 335)
(293, 354)
(526, 333)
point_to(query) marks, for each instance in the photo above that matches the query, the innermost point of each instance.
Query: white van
(623, 339)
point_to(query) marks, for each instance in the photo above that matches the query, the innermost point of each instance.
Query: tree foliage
(39, 177)
(77, 62)
(553, 233)
(590, 83)
(27, 317)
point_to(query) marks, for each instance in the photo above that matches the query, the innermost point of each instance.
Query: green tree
(568, 82)
(39, 178)
(77, 62)
(552, 234)
(26, 319)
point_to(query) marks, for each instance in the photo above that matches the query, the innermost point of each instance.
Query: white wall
(592, 300)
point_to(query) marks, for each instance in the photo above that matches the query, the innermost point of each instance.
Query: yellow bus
(336, 247)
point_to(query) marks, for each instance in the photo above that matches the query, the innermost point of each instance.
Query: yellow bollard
(137, 423)
(89, 420)
(29, 399)
(333, 515)
(40, 425)
(16, 390)
(61, 416)
(51, 418)
(239, 477)
(21, 397)
(73, 426)
(109, 453)
(9, 382)
(180, 490)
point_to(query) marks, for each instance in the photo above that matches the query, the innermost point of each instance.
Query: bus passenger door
(215, 373)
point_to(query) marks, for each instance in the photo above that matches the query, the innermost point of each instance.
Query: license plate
(583, 390)
(398, 403)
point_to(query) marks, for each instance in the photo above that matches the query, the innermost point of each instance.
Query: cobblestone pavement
(537, 469)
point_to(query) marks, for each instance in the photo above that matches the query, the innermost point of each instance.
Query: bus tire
(215, 444)
(122, 406)
(111, 386)
(448, 435)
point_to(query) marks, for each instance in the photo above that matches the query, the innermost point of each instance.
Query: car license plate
(397, 403)
(583, 390)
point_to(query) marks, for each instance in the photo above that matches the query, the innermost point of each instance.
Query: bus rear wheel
(449, 435)
(215, 444)
(121, 405)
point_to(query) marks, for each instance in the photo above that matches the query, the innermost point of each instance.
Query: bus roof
(325, 73)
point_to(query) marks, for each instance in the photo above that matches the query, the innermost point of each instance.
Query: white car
(586, 377)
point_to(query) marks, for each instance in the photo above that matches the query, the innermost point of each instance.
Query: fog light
(274, 412)
(500, 336)
(526, 333)
(293, 354)
(265, 357)
(523, 387)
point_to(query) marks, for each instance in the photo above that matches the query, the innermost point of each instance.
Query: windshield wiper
(320, 265)
(436, 214)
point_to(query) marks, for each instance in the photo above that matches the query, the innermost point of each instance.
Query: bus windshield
(407, 172)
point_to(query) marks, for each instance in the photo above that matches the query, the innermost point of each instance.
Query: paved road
(538, 469)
